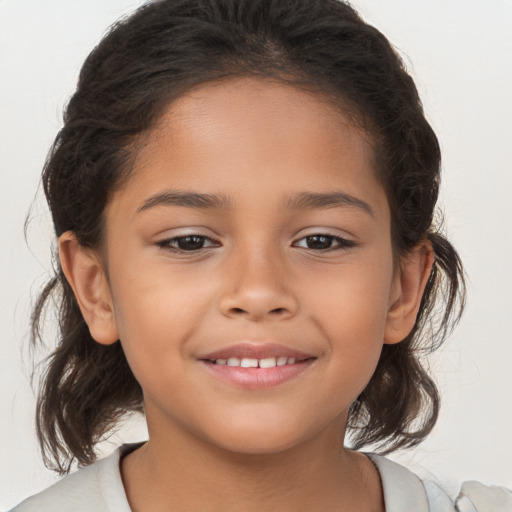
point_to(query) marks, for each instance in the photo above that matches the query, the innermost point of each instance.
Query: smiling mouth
(257, 364)
(253, 374)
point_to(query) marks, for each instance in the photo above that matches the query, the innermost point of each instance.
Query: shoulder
(405, 491)
(97, 488)
(484, 498)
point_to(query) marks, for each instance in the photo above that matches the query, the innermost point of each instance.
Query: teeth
(247, 362)
(269, 362)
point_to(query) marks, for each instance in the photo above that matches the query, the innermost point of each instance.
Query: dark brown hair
(145, 62)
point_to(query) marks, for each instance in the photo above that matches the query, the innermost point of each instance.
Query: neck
(178, 472)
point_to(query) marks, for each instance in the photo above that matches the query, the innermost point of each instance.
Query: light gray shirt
(99, 488)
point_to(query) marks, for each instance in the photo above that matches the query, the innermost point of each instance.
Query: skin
(212, 445)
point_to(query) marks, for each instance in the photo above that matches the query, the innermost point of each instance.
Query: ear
(84, 271)
(410, 282)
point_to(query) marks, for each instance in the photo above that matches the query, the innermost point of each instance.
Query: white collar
(405, 492)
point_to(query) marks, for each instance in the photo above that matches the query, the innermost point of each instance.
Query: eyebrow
(335, 199)
(300, 201)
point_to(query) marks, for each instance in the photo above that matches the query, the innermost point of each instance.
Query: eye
(194, 243)
(187, 243)
(324, 241)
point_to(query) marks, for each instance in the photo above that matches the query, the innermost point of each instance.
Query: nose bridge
(257, 279)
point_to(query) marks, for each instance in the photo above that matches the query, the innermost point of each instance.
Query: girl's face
(253, 228)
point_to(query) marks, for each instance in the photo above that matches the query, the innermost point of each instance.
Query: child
(243, 193)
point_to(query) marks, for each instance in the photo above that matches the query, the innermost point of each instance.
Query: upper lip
(256, 350)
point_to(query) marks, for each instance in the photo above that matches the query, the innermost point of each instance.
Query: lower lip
(258, 378)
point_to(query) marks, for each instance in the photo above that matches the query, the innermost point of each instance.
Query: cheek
(355, 298)
(156, 298)
(155, 316)
(353, 314)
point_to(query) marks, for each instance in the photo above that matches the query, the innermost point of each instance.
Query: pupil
(184, 244)
(322, 244)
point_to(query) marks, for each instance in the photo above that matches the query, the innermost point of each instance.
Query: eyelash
(344, 244)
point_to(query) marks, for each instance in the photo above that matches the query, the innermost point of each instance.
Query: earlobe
(415, 269)
(84, 271)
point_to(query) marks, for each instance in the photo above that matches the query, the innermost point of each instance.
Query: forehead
(257, 98)
(263, 110)
(249, 133)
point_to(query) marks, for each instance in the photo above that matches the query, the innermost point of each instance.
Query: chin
(264, 438)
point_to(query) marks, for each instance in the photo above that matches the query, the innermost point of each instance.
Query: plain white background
(459, 53)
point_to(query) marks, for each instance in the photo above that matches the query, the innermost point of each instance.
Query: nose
(256, 286)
